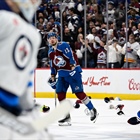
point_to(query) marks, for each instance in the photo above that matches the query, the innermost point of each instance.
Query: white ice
(109, 125)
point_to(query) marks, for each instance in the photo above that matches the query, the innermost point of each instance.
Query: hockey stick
(134, 121)
(9, 120)
(55, 98)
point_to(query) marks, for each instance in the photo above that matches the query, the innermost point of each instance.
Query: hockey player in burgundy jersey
(64, 63)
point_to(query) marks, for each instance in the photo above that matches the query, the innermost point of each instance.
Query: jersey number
(67, 50)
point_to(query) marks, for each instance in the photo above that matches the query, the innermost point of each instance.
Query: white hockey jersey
(19, 43)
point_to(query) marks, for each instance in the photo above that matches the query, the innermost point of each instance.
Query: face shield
(28, 7)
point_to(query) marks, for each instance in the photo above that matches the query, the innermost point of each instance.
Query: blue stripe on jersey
(30, 84)
(8, 98)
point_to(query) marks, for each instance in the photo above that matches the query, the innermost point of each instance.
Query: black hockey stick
(55, 99)
(134, 121)
(9, 120)
(55, 95)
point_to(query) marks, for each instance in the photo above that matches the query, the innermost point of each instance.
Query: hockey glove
(52, 83)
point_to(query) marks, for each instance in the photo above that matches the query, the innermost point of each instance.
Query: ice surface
(109, 125)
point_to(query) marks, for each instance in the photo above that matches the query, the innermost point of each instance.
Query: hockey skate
(65, 121)
(94, 115)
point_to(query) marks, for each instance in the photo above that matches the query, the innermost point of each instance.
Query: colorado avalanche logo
(59, 61)
(101, 55)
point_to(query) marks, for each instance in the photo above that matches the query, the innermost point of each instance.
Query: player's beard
(54, 43)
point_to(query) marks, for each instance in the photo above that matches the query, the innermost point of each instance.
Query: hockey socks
(78, 102)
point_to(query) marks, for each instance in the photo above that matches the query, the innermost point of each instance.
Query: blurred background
(103, 33)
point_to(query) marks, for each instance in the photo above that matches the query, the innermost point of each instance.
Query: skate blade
(65, 124)
(95, 118)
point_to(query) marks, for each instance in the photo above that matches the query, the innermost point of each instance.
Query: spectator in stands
(56, 13)
(41, 21)
(101, 56)
(130, 50)
(80, 30)
(40, 29)
(98, 17)
(135, 4)
(95, 43)
(137, 33)
(111, 11)
(73, 22)
(114, 54)
(48, 27)
(41, 15)
(67, 37)
(96, 40)
(55, 25)
(79, 6)
(80, 48)
(42, 57)
(133, 15)
(91, 62)
(119, 14)
(73, 18)
(43, 50)
(89, 27)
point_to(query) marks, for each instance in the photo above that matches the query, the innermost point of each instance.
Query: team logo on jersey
(22, 52)
(101, 55)
(59, 61)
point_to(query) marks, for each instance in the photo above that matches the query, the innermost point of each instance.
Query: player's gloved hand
(52, 83)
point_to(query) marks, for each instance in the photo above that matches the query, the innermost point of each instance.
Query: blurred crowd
(107, 35)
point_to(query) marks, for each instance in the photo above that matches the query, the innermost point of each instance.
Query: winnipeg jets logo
(59, 61)
(22, 52)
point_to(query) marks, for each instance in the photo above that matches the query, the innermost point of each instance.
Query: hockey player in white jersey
(19, 43)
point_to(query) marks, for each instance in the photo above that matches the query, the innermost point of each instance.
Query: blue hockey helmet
(51, 34)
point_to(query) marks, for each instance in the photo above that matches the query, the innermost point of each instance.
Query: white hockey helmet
(28, 7)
